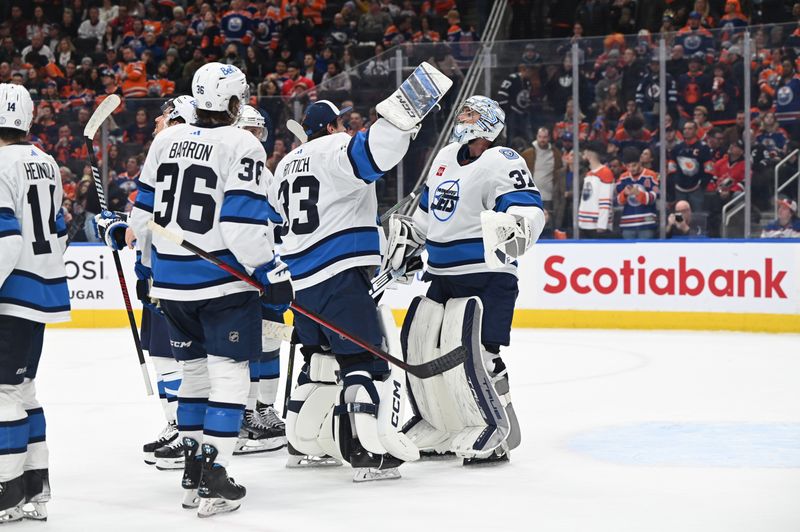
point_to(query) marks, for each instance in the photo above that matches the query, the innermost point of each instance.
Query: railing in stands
(794, 177)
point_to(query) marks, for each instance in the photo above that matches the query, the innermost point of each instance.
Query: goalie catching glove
(506, 237)
(404, 242)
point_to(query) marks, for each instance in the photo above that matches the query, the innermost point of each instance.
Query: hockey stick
(384, 280)
(423, 371)
(297, 130)
(287, 392)
(402, 203)
(99, 116)
(273, 330)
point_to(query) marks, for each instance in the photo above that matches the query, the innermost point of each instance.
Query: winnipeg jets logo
(445, 200)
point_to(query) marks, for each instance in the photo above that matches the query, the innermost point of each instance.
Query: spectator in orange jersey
(133, 74)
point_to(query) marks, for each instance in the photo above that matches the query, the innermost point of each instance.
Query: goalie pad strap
(356, 408)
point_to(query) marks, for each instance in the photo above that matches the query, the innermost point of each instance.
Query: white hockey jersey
(450, 207)
(208, 184)
(595, 210)
(33, 236)
(325, 193)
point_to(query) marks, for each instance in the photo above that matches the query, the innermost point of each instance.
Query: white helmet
(253, 121)
(214, 84)
(16, 107)
(184, 107)
(488, 125)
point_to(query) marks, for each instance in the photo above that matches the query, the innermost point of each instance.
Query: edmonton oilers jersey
(208, 185)
(456, 195)
(33, 278)
(325, 193)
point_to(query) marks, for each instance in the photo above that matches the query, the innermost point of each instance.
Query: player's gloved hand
(110, 228)
(143, 278)
(274, 276)
(404, 242)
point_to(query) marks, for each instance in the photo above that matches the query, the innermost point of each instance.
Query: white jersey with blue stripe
(325, 193)
(33, 236)
(451, 204)
(208, 184)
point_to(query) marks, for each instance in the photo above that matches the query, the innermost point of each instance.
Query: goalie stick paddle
(103, 111)
(422, 371)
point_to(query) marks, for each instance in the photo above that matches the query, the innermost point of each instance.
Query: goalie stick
(422, 371)
(103, 111)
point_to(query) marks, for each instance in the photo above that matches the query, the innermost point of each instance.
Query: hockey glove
(143, 278)
(404, 242)
(274, 276)
(110, 228)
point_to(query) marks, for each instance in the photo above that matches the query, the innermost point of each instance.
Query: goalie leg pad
(435, 415)
(311, 404)
(460, 410)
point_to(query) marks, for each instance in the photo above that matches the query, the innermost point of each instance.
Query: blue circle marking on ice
(769, 445)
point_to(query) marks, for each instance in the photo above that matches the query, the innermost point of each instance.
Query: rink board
(694, 285)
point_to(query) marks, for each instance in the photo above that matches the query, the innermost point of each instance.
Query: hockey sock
(193, 399)
(37, 455)
(229, 388)
(169, 381)
(269, 374)
(252, 394)
(13, 432)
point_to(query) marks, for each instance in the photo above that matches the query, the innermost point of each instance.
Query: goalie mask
(479, 118)
(253, 121)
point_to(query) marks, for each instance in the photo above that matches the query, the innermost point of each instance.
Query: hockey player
(33, 292)
(262, 427)
(480, 211)
(325, 193)
(207, 181)
(166, 451)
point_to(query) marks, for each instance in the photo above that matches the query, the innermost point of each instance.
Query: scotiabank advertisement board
(697, 276)
(709, 276)
(746, 278)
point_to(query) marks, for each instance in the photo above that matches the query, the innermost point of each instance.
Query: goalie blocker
(466, 410)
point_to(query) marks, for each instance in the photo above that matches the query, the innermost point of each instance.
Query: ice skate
(298, 460)
(218, 492)
(270, 418)
(37, 494)
(257, 437)
(12, 497)
(167, 435)
(498, 456)
(170, 457)
(369, 466)
(192, 471)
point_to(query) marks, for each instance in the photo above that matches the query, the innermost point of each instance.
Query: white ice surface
(566, 386)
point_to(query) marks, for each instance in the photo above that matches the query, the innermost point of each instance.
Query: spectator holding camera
(787, 225)
(637, 192)
(679, 223)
